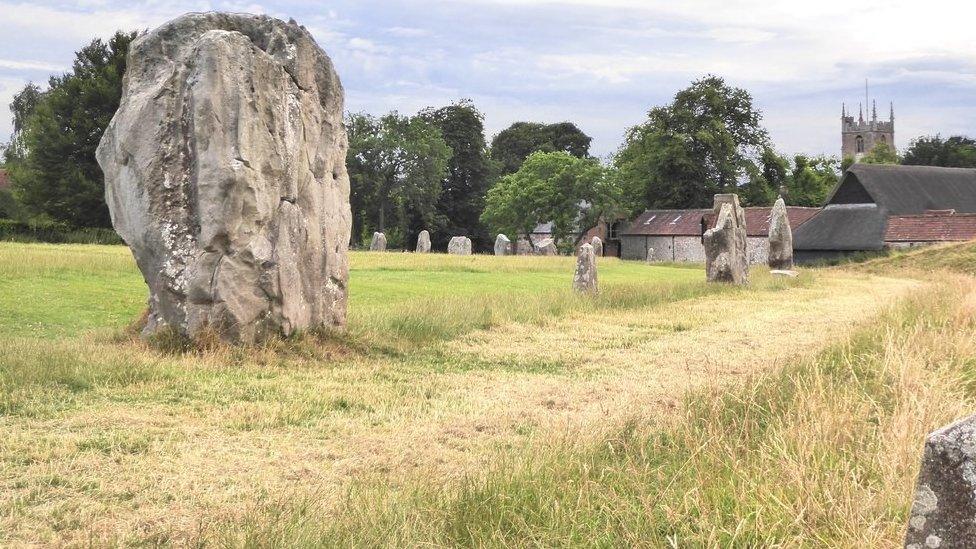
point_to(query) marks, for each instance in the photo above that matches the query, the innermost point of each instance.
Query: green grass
(53, 291)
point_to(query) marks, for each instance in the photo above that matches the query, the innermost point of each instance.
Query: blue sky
(601, 64)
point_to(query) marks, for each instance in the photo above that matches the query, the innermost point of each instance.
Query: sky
(601, 64)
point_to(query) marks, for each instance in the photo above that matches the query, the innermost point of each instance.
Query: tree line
(436, 170)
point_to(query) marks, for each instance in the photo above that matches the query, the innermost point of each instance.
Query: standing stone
(597, 244)
(780, 238)
(225, 174)
(459, 245)
(725, 244)
(585, 278)
(650, 255)
(944, 511)
(378, 243)
(503, 246)
(547, 247)
(423, 242)
(524, 247)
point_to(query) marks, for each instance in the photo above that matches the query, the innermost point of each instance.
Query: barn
(676, 235)
(876, 207)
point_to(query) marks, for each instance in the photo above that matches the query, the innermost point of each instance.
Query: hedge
(55, 233)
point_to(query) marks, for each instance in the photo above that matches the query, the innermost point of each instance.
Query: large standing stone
(725, 244)
(378, 243)
(546, 247)
(944, 511)
(459, 245)
(503, 246)
(780, 238)
(585, 278)
(423, 242)
(225, 174)
(597, 244)
(524, 247)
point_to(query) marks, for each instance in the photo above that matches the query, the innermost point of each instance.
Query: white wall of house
(683, 248)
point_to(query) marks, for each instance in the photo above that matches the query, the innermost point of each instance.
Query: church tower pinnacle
(860, 136)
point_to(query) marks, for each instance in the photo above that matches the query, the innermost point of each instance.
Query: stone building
(859, 137)
(676, 235)
(879, 206)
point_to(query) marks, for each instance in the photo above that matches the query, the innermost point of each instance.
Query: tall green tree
(811, 180)
(881, 154)
(52, 158)
(708, 140)
(572, 193)
(462, 197)
(514, 144)
(396, 165)
(955, 152)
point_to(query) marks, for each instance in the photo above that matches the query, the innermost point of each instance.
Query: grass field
(478, 401)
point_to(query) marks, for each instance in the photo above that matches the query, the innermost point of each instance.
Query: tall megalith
(726, 259)
(423, 242)
(503, 246)
(780, 238)
(585, 279)
(459, 245)
(597, 244)
(225, 174)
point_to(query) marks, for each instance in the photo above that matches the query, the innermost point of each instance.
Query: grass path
(158, 457)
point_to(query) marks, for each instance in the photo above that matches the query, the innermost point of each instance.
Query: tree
(572, 193)
(881, 154)
(811, 180)
(708, 140)
(462, 197)
(52, 157)
(514, 144)
(955, 152)
(396, 164)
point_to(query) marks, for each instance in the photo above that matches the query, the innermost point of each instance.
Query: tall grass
(823, 453)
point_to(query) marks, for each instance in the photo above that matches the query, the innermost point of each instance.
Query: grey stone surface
(503, 246)
(585, 278)
(787, 273)
(378, 243)
(651, 258)
(944, 511)
(546, 246)
(423, 242)
(225, 174)
(726, 258)
(459, 245)
(524, 247)
(780, 238)
(597, 244)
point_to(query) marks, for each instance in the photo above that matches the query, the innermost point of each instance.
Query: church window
(860, 144)
(884, 139)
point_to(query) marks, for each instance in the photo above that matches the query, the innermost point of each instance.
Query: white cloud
(31, 65)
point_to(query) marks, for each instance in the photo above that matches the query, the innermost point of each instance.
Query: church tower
(859, 137)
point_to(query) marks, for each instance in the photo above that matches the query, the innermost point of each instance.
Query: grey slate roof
(905, 190)
(843, 227)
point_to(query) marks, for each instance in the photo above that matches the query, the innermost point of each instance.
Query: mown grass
(53, 291)
(823, 453)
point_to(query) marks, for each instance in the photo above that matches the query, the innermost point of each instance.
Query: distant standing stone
(423, 242)
(650, 255)
(597, 244)
(944, 511)
(503, 246)
(524, 247)
(780, 238)
(459, 245)
(585, 279)
(378, 243)
(726, 259)
(547, 247)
